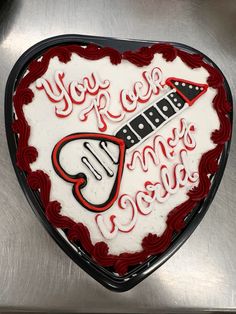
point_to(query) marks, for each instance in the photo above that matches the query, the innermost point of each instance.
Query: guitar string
(98, 157)
(103, 146)
(87, 163)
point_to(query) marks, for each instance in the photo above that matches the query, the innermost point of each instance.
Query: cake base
(105, 276)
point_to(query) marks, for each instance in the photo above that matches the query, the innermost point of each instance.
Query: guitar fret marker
(87, 163)
(175, 101)
(141, 126)
(135, 133)
(160, 112)
(172, 104)
(123, 135)
(149, 122)
(88, 146)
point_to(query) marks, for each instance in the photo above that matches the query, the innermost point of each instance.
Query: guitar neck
(143, 125)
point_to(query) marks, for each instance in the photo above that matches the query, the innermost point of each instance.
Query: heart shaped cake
(120, 147)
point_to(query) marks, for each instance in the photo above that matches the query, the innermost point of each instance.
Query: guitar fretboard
(152, 118)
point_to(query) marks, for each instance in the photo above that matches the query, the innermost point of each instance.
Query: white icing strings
(103, 145)
(98, 157)
(87, 163)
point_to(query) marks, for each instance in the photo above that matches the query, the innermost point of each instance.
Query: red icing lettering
(152, 153)
(142, 92)
(75, 93)
(100, 106)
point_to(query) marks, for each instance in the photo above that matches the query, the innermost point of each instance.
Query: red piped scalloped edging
(40, 181)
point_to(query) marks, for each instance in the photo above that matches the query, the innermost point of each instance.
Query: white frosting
(47, 129)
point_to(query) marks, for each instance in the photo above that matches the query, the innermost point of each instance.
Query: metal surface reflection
(34, 273)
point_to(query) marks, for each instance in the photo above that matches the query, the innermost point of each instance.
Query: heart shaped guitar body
(108, 152)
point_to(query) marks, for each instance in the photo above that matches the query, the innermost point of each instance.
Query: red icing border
(38, 180)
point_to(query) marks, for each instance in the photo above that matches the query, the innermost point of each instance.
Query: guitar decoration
(101, 157)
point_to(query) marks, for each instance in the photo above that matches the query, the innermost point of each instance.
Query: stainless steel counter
(34, 273)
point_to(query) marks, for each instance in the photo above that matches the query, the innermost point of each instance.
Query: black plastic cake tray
(110, 280)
